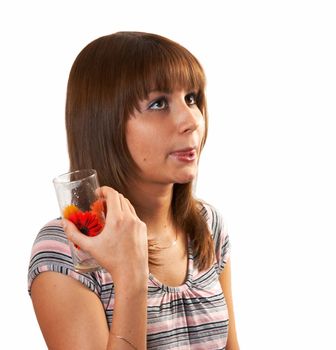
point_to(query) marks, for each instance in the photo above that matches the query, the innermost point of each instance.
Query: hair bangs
(162, 67)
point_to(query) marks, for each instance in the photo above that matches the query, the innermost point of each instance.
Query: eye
(191, 99)
(159, 104)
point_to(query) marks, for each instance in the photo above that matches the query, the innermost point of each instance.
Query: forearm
(129, 318)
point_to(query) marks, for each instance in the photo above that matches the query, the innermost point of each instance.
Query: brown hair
(107, 80)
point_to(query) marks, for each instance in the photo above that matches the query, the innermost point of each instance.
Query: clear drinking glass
(80, 203)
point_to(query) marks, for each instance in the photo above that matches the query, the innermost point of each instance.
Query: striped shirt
(191, 316)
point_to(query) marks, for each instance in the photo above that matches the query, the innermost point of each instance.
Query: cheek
(142, 144)
(133, 142)
(201, 129)
(136, 148)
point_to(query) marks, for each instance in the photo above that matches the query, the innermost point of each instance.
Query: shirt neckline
(188, 282)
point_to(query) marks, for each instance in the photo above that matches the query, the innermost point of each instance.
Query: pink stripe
(51, 246)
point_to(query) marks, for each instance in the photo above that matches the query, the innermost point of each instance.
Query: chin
(183, 182)
(186, 179)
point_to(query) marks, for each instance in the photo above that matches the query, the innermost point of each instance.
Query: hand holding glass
(80, 203)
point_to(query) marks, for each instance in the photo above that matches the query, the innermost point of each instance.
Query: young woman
(136, 112)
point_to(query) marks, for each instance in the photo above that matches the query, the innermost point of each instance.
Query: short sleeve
(219, 231)
(51, 252)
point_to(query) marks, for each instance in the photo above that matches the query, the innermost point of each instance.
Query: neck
(153, 206)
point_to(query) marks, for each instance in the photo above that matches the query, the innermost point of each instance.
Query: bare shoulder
(70, 315)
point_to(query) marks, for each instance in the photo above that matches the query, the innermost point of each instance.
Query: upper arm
(70, 315)
(225, 281)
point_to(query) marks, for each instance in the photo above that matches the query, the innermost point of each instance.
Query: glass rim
(65, 178)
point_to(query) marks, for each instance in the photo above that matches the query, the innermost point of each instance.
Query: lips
(185, 155)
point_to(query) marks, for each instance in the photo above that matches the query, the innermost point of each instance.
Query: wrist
(124, 276)
(130, 285)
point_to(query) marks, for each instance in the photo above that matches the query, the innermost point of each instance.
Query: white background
(269, 164)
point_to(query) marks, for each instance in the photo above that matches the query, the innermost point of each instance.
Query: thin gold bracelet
(125, 340)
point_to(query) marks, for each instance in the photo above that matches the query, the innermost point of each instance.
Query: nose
(189, 119)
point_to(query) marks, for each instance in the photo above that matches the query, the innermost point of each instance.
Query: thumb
(74, 235)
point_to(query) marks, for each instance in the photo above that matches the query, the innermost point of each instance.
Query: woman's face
(164, 137)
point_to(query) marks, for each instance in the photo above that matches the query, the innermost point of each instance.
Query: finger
(74, 235)
(113, 204)
(130, 207)
(98, 192)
